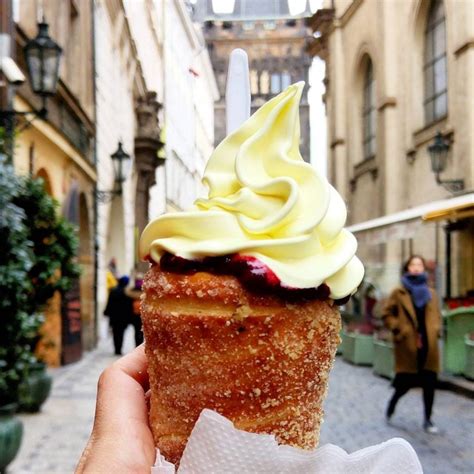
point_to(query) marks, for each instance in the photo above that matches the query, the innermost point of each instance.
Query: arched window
(435, 67)
(369, 113)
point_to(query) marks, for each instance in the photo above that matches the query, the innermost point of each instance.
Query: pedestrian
(135, 294)
(111, 275)
(119, 309)
(412, 314)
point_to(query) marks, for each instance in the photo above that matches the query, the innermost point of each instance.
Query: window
(253, 82)
(435, 67)
(264, 82)
(285, 80)
(369, 113)
(275, 83)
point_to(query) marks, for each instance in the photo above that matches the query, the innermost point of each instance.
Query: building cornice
(337, 142)
(387, 102)
(351, 9)
(466, 46)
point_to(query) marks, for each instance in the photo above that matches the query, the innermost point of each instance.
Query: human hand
(121, 439)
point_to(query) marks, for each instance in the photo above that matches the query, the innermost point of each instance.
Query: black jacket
(119, 307)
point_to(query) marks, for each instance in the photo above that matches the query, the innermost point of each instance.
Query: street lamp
(42, 57)
(438, 151)
(121, 163)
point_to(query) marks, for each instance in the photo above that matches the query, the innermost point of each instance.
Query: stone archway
(48, 348)
(44, 175)
(86, 282)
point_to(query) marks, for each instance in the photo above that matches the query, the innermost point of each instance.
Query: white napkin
(216, 447)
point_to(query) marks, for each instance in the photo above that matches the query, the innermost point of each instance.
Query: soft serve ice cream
(265, 202)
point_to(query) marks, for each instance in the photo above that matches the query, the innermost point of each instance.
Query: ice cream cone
(259, 360)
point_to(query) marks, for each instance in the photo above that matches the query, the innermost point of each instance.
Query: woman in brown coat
(412, 314)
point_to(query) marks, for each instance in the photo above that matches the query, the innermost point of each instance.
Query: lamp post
(438, 151)
(42, 57)
(121, 163)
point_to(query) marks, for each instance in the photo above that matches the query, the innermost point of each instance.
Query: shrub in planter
(54, 247)
(15, 261)
(37, 259)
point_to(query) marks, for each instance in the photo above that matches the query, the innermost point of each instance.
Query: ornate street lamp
(121, 163)
(438, 151)
(42, 57)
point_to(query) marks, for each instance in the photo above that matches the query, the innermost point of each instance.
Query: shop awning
(461, 211)
(458, 207)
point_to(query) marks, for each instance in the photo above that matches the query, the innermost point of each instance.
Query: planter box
(383, 359)
(458, 323)
(358, 348)
(469, 363)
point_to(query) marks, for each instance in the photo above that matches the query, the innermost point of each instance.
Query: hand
(121, 439)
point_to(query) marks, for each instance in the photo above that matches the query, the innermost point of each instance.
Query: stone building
(397, 74)
(275, 43)
(189, 90)
(127, 95)
(60, 149)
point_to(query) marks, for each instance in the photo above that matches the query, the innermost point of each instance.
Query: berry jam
(252, 273)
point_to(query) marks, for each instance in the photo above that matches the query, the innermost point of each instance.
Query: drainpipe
(94, 197)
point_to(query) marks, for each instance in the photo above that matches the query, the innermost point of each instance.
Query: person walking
(412, 314)
(119, 309)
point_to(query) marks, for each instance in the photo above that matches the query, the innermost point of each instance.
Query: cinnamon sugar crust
(258, 360)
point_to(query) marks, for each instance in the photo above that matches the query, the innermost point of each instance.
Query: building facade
(275, 43)
(60, 149)
(128, 113)
(134, 74)
(397, 74)
(189, 92)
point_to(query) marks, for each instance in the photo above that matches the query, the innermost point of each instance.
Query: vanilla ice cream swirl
(264, 201)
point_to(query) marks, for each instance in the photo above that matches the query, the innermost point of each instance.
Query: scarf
(416, 285)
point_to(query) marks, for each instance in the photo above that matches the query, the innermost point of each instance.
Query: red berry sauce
(254, 274)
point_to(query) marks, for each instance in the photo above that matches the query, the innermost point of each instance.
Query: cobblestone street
(54, 439)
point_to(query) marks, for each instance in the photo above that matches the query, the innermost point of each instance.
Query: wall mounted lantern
(438, 151)
(121, 163)
(43, 57)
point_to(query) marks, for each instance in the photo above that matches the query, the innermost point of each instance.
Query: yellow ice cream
(265, 201)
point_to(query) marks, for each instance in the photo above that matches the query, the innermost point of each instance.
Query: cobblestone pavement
(55, 438)
(355, 409)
